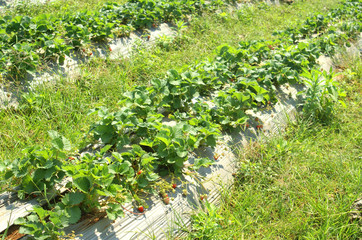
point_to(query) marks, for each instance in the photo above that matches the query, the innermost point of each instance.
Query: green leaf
(48, 164)
(42, 28)
(114, 189)
(104, 193)
(117, 156)
(28, 185)
(173, 74)
(74, 198)
(33, 218)
(53, 134)
(238, 95)
(111, 215)
(142, 182)
(40, 211)
(164, 140)
(20, 221)
(105, 149)
(211, 141)
(181, 153)
(38, 174)
(82, 183)
(176, 83)
(302, 45)
(114, 211)
(122, 141)
(74, 214)
(8, 174)
(151, 176)
(50, 173)
(147, 142)
(147, 159)
(259, 98)
(119, 168)
(59, 142)
(202, 162)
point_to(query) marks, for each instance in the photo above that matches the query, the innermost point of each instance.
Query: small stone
(356, 213)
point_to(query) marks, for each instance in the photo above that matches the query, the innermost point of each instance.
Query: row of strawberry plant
(204, 100)
(333, 23)
(26, 42)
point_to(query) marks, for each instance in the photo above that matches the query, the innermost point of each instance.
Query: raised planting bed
(28, 42)
(123, 28)
(121, 47)
(160, 219)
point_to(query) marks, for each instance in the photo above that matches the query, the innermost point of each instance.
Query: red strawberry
(139, 172)
(232, 79)
(257, 119)
(110, 49)
(259, 127)
(140, 209)
(90, 54)
(148, 37)
(71, 158)
(247, 125)
(166, 200)
(216, 157)
(174, 186)
(154, 25)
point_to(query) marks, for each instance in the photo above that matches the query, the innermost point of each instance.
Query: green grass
(299, 185)
(63, 106)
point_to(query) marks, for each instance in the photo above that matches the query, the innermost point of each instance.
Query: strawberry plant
(44, 224)
(314, 24)
(214, 75)
(177, 90)
(141, 100)
(172, 145)
(40, 170)
(77, 33)
(22, 59)
(231, 104)
(95, 176)
(114, 128)
(207, 131)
